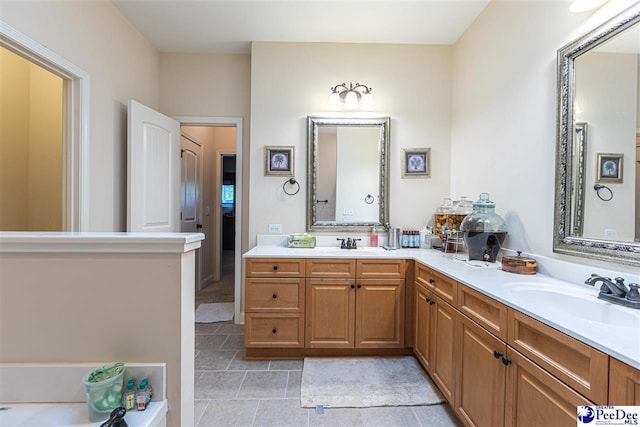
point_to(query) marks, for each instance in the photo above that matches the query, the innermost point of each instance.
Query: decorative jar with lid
(484, 230)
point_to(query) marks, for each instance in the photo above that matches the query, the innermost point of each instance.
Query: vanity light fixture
(352, 97)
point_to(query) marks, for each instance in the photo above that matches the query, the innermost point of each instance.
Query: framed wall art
(609, 166)
(416, 163)
(278, 161)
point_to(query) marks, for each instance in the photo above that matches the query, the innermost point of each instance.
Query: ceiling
(216, 26)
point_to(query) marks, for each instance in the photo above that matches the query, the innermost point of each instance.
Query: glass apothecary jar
(484, 230)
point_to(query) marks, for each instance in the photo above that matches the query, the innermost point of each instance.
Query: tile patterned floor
(231, 391)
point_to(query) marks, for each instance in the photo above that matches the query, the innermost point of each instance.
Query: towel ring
(291, 181)
(599, 187)
(369, 199)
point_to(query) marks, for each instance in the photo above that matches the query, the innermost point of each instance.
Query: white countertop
(620, 340)
(73, 414)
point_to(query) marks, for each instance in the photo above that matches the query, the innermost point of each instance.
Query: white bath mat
(218, 312)
(359, 382)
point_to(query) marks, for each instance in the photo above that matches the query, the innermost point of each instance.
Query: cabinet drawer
(443, 286)
(380, 268)
(273, 330)
(274, 295)
(575, 363)
(281, 267)
(487, 312)
(331, 267)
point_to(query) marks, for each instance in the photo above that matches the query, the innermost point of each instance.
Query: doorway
(221, 210)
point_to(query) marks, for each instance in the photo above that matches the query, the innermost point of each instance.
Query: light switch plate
(275, 228)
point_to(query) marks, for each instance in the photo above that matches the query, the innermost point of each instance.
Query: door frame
(75, 138)
(237, 122)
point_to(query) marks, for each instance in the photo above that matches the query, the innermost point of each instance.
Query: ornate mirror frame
(563, 240)
(382, 122)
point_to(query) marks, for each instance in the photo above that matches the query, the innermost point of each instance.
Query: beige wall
(504, 113)
(122, 64)
(210, 85)
(31, 146)
(289, 81)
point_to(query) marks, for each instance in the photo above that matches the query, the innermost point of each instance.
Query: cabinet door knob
(274, 296)
(275, 267)
(359, 285)
(274, 331)
(506, 360)
(497, 354)
(353, 286)
(432, 281)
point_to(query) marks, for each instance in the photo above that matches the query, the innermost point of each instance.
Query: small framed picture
(416, 163)
(609, 167)
(278, 161)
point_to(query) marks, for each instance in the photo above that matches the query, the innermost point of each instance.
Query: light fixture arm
(351, 88)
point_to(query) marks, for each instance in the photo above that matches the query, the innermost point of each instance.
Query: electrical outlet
(347, 211)
(207, 210)
(275, 228)
(610, 232)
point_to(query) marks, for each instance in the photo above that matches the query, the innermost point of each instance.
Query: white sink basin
(337, 252)
(575, 301)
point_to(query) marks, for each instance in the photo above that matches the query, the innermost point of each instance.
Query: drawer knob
(432, 281)
(497, 354)
(275, 268)
(274, 331)
(274, 296)
(506, 360)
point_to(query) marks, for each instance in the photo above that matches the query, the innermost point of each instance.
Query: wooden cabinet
(274, 303)
(357, 312)
(624, 384)
(536, 398)
(435, 328)
(481, 379)
(575, 363)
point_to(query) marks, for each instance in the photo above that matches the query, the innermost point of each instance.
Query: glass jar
(461, 208)
(440, 217)
(484, 230)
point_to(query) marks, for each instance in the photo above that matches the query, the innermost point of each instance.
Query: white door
(153, 171)
(190, 193)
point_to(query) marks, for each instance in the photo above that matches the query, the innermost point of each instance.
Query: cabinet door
(330, 314)
(536, 398)
(481, 379)
(423, 313)
(624, 384)
(444, 347)
(380, 313)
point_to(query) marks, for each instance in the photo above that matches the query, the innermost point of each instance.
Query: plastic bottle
(373, 238)
(143, 395)
(129, 395)
(425, 238)
(405, 239)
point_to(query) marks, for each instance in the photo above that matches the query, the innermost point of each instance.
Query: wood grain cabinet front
(356, 311)
(274, 303)
(624, 384)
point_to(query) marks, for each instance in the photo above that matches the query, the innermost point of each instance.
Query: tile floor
(231, 391)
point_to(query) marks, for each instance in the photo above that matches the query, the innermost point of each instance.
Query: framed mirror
(348, 173)
(598, 88)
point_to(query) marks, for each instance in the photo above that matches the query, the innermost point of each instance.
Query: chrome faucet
(616, 288)
(616, 291)
(348, 243)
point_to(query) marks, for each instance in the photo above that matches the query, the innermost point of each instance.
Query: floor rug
(218, 312)
(361, 382)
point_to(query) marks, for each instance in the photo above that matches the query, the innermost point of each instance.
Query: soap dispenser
(373, 237)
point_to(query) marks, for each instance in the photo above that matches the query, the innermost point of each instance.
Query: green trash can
(104, 390)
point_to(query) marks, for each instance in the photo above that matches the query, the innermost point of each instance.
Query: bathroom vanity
(504, 349)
